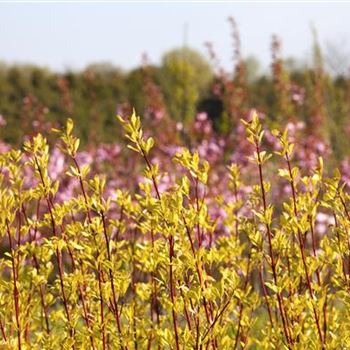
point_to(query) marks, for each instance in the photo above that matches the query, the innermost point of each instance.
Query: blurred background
(176, 61)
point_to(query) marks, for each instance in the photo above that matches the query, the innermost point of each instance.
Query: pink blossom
(56, 164)
(2, 120)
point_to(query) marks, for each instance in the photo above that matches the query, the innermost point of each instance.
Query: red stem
(37, 267)
(58, 253)
(302, 251)
(241, 305)
(3, 331)
(111, 277)
(171, 255)
(272, 257)
(15, 287)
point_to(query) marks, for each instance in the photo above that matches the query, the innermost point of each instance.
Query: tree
(185, 78)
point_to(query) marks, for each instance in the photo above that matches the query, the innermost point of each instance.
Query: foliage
(186, 78)
(209, 258)
(216, 227)
(181, 86)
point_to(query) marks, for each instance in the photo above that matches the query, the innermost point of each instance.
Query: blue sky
(72, 35)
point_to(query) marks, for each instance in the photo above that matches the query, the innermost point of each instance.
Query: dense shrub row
(183, 84)
(190, 255)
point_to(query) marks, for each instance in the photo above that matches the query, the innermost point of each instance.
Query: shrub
(177, 266)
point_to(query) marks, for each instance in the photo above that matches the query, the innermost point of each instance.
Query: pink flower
(2, 120)
(56, 164)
